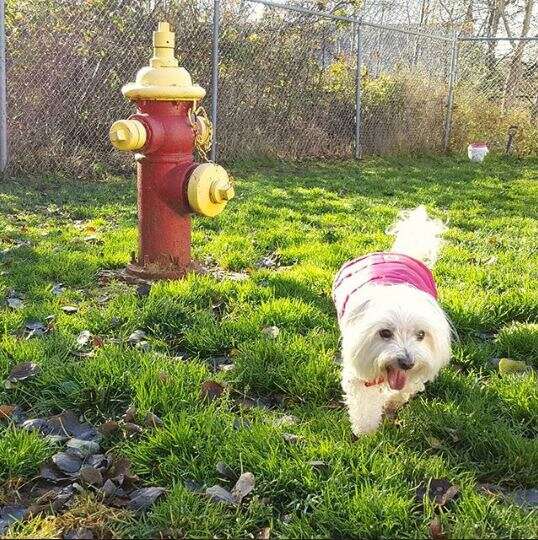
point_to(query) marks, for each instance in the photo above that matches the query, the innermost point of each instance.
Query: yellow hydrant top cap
(163, 80)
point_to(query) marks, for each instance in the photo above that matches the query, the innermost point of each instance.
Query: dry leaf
(436, 530)
(271, 331)
(507, 366)
(243, 486)
(212, 390)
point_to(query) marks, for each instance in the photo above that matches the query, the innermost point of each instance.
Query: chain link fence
(293, 82)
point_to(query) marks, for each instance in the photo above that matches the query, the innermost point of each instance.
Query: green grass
(313, 218)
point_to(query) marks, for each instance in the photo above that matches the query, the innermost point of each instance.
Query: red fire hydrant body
(171, 185)
(164, 243)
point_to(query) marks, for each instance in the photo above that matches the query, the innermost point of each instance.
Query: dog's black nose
(405, 361)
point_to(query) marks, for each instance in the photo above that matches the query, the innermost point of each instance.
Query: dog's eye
(385, 333)
(420, 335)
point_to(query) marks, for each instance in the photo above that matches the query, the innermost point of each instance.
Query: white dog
(395, 336)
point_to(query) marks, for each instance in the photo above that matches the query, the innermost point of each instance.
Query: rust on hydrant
(164, 132)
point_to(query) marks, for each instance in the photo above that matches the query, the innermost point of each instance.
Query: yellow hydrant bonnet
(163, 79)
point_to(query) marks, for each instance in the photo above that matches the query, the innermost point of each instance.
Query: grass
(470, 426)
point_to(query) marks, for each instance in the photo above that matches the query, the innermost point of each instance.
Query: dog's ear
(357, 312)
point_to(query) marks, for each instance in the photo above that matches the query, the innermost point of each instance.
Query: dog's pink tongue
(396, 378)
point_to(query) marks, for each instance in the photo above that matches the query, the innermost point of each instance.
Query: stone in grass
(69, 310)
(91, 476)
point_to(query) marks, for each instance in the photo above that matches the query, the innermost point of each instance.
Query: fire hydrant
(164, 132)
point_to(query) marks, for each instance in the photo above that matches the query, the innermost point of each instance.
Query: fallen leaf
(67, 423)
(525, 497)
(434, 442)
(21, 372)
(318, 464)
(271, 331)
(212, 390)
(10, 514)
(129, 415)
(143, 289)
(436, 530)
(136, 337)
(58, 288)
(11, 412)
(142, 499)
(99, 461)
(78, 534)
(290, 438)
(108, 427)
(14, 302)
(35, 329)
(67, 463)
(439, 490)
(69, 310)
(219, 494)
(132, 428)
(226, 472)
(51, 473)
(153, 421)
(507, 366)
(86, 448)
(84, 338)
(244, 485)
(264, 534)
(91, 476)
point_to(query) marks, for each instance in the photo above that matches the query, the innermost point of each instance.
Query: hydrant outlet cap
(163, 79)
(209, 189)
(128, 135)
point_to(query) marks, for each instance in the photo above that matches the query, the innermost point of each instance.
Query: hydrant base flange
(157, 272)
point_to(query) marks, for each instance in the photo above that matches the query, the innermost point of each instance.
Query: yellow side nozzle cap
(209, 189)
(128, 135)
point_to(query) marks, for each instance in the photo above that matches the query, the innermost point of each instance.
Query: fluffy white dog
(395, 336)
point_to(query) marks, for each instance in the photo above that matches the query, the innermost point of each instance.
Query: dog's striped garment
(380, 269)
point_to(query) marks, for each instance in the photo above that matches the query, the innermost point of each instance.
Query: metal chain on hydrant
(203, 129)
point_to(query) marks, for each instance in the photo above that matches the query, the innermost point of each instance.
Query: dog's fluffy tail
(417, 235)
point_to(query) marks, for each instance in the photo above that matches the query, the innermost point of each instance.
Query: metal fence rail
(283, 81)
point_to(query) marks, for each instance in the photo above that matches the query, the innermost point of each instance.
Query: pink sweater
(380, 269)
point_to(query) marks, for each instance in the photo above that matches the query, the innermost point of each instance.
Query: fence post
(451, 84)
(3, 91)
(215, 76)
(358, 90)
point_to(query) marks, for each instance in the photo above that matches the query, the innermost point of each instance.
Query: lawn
(274, 408)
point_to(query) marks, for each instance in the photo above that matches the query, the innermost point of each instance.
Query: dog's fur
(406, 312)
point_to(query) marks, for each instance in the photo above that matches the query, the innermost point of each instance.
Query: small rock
(70, 310)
